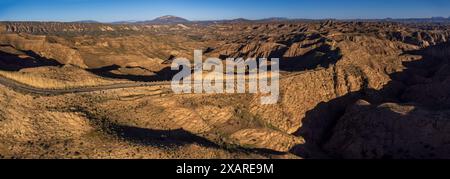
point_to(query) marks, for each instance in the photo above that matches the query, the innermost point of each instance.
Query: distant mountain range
(160, 20)
(166, 20)
(421, 20)
(169, 19)
(86, 21)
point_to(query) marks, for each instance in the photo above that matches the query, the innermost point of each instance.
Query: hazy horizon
(199, 10)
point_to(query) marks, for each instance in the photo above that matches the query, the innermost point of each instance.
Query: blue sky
(118, 10)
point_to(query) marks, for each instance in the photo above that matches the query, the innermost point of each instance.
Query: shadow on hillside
(144, 136)
(163, 75)
(160, 138)
(13, 62)
(323, 56)
(174, 138)
(163, 138)
(319, 122)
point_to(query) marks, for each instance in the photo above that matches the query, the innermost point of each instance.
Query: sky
(123, 10)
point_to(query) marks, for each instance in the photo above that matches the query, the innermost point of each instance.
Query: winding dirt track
(17, 86)
(49, 92)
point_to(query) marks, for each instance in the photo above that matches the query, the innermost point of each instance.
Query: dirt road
(40, 91)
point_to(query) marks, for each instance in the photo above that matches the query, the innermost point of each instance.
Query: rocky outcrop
(252, 50)
(266, 139)
(390, 131)
(415, 126)
(419, 38)
(55, 27)
(365, 64)
(40, 46)
(2, 28)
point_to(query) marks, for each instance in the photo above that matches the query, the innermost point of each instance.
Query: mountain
(438, 18)
(274, 19)
(86, 21)
(167, 20)
(421, 20)
(125, 22)
(239, 20)
(232, 21)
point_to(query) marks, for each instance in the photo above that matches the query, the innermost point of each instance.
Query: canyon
(348, 89)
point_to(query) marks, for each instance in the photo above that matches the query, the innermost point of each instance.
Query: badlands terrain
(348, 90)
